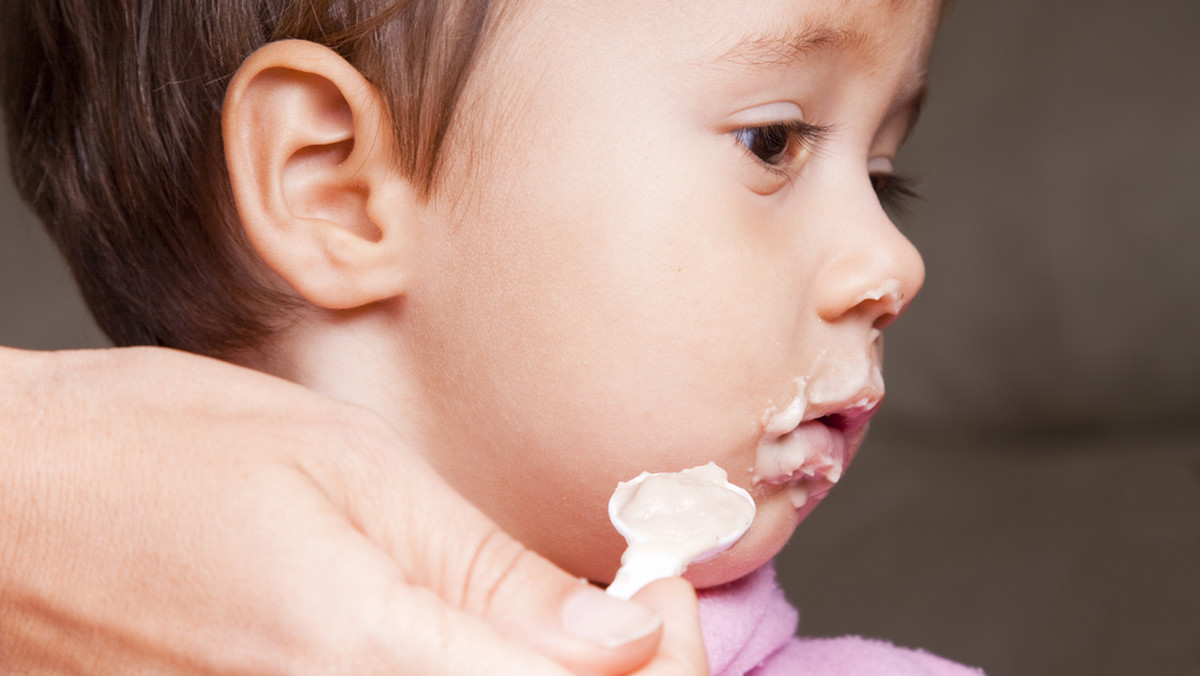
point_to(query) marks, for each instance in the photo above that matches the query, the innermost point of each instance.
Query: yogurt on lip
(809, 454)
(809, 460)
(812, 450)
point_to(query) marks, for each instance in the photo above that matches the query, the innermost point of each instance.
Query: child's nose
(875, 272)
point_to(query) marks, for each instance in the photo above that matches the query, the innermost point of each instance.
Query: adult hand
(168, 513)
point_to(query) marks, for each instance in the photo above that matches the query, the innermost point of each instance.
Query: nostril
(888, 297)
(882, 303)
(885, 320)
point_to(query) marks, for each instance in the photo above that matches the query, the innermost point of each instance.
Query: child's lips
(814, 454)
(814, 451)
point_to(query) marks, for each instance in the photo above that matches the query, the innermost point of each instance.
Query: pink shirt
(750, 628)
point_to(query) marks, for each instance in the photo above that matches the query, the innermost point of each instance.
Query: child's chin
(773, 525)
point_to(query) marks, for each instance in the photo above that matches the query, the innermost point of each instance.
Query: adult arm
(168, 513)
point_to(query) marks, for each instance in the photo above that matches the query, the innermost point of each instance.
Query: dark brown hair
(113, 107)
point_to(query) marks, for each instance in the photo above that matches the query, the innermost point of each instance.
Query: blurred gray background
(1029, 500)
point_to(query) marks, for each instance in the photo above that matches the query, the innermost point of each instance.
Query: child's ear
(310, 157)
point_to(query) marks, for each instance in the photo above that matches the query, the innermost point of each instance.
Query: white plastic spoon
(673, 519)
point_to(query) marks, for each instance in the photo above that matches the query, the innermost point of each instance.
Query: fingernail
(606, 621)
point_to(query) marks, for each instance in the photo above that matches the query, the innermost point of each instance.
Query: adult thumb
(569, 620)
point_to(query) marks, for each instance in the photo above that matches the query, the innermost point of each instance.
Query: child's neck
(356, 356)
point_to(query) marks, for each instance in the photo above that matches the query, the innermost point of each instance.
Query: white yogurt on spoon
(673, 519)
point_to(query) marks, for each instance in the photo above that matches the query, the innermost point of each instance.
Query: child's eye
(894, 191)
(777, 145)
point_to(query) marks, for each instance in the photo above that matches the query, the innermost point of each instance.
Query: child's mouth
(810, 458)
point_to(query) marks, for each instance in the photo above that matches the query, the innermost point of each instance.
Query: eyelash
(894, 191)
(796, 136)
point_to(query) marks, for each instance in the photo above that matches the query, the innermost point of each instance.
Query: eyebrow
(782, 49)
(790, 46)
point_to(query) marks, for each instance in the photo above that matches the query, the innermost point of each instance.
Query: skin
(605, 279)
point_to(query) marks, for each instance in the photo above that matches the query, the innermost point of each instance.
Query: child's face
(624, 274)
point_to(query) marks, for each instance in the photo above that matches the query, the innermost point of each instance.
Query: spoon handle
(640, 567)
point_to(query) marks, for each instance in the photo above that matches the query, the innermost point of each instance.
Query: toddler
(560, 242)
